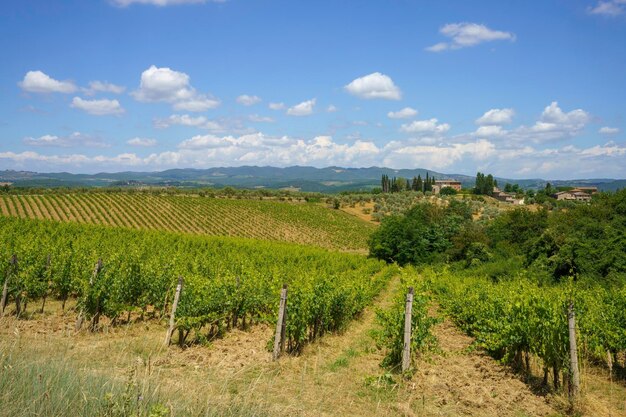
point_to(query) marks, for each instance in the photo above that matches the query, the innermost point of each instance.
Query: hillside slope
(269, 220)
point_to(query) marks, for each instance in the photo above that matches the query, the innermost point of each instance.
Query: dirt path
(461, 381)
(327, 379)
(339, 375)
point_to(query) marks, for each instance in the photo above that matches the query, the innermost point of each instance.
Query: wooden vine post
(81, 315)
(406, 351)
(5, 288)
(609, 362)
(170, 329)
(45, 294)
(96, 317)
(279, 338)
(573, 352)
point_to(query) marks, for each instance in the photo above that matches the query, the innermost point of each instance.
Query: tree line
(394, 185)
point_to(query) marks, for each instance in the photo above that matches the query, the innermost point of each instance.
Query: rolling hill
(304, 223)
(325, 180)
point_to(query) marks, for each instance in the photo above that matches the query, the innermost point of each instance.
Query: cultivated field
(88, 308)
(310, 224)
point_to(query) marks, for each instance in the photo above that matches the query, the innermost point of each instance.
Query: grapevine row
(228, 282)
(269, 220)
(518, 320)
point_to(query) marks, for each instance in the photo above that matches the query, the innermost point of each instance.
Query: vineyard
(516, 321)
(303, 223)
(464, 271)
(228, 282)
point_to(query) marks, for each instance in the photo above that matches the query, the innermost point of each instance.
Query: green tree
(418, 183)
(448, 191)
(420, 234)
(484, 184)
(394, 185)
(428, 183)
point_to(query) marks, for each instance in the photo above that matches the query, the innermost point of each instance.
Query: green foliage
(228, 282)
(484, 184)
(448, 191)
(465, 241)
(512, 188)
(477, 252)
(420, 234)
(588, 241)
(517, 317)
(311, 224)
(517, 228)
(391, 320)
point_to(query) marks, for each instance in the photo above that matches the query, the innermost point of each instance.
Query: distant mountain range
(327, 180)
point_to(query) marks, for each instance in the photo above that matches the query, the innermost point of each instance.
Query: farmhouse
(576, 194)
(507, 197)
(439, 184)
(448, 183)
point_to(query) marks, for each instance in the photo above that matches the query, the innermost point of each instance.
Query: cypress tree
(394, 185)
(489, 184)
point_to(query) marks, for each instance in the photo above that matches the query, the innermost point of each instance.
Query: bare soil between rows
(338, 375)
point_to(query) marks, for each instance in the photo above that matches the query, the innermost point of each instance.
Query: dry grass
(461, 381)
(357, 211)
(339, 375)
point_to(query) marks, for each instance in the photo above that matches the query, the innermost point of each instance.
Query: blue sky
(519, 89)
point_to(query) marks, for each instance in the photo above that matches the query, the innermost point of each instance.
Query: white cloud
(73, 140)
(374, 86)
(163, 84)
(282, 151)
(260, 119)
(276, 106)
(466, 34)
(201, 151)
(405, 113)
(186, 120)
(142, 142)
(210, 150)
(553, 125)
(206, 142)
(438, 47)
(39, 82)
(496, 117)
(161, 3)
(223, 125)
(436, 157)
(610, 8)
(425, 127)
(331, 109)
(246, 100)
(199, 103)
(608, 130)
(608, 149)
(490, 131)
(98, 107)
(302, 109)
(168, 86)
(103, 87)
(554, 114)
